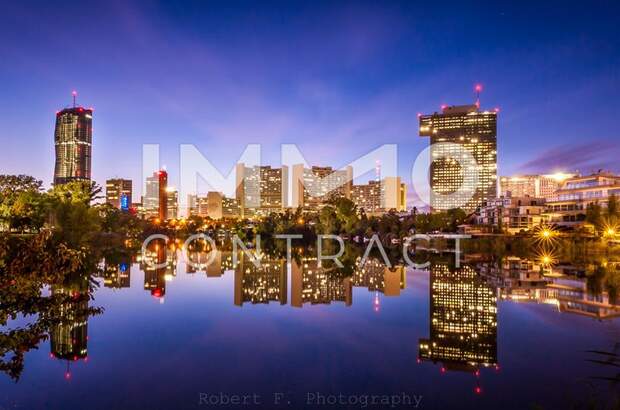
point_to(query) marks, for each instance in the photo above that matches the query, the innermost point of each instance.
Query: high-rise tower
(475, 131)
(73, 142)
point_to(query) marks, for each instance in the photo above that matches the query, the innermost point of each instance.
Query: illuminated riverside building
(476, 132)
(172, 206)
(218, 206)
(118, 193)
(198, 205)
(377, 197)
(261, 190)
(264, 284)
(73, 137)
(367, 196)
(155, 201)
(513, 214)
(463, 320)
(376, 276)
(313, 187)
(150, 201)
(393, 194)
(318, 285)
(569, 204)
(69, 337)
(535, 186)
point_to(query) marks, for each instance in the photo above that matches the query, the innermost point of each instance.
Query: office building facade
(535, 186)
(569, 204)
(261, 190)
(73, 137)
(461, 130)
(316, 186)
(118, 193)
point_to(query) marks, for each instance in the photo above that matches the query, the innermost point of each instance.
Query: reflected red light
(477, 373)
(75, 358)
(52, 355)
(67, 375)
(478, 390)
(497, 367)
(419, 361)
(443, 369)
(86, 359)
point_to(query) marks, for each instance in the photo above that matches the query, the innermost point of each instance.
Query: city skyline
(213, 91)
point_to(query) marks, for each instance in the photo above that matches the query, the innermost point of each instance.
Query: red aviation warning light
(478, 89)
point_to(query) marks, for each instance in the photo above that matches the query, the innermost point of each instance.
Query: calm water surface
(459, 338)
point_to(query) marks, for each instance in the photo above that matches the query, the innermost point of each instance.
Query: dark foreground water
(297, 337)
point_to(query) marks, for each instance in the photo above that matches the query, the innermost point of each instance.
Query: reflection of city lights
(547, 259)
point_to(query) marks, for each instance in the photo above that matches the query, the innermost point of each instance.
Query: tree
(328, 221)
(76, 192)
(613, 208)
(346, 212)
(594, 215)
(21, 207)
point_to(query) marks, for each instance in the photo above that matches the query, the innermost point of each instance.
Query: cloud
(587, 157)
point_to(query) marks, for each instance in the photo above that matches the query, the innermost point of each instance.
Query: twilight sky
(339, 79)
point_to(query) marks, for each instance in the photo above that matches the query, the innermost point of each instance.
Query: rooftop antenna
(477, 89)
(74, 94)
(377, 170)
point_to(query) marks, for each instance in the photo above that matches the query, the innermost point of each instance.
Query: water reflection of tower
(69, 337)
(463, 321)
(260, 284)
(117, 275)
(318, 285)
(154, 277)
(376, 276)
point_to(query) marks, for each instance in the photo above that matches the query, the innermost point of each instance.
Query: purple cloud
(586, 158)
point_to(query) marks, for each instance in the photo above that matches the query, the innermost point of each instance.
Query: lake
(488, 334)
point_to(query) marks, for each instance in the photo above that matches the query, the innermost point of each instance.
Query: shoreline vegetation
(69, 217)
(67, 222)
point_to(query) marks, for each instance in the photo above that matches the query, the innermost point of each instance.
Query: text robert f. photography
(313, 399)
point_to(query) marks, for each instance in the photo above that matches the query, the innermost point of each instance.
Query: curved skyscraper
(73, 141)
